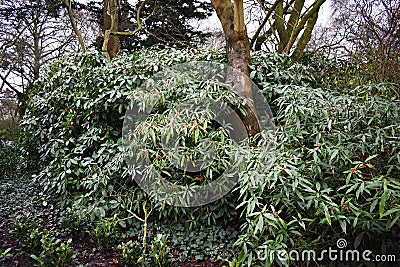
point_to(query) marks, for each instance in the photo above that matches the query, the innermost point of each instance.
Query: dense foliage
(9, 159)
(333, 172)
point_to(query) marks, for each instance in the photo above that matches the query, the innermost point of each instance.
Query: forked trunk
(231, 16)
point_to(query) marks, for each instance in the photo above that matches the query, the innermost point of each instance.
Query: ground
(20, 197)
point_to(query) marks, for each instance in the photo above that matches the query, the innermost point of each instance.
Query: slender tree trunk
(238, 45)
(262, 38)
(78, 34)
(231, 16)
(294, 17)
(257, 38)
(280, 27)
(305, 38)
(36, 53)
(308, 20)
(111, 43)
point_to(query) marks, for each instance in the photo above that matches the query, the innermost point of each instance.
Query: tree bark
(280, 27)
(78, 34)
(111, 43)
(231, 16)
(310, 15)
(295, 15)
(305, 38)
(36, 51)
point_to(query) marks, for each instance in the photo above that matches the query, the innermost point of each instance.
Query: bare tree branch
(268, 14)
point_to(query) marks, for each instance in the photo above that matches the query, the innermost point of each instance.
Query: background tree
(171, 23)
(33, 33)
(78, 34)
(286, 26)
(8, 116)
(22, 34)
(367, 33)
(162, 22)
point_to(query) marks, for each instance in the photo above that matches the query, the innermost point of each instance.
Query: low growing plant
(158, 254)
(43, 247)
(27, 232)
(53, 251)
(5, 254)
(130, 252)
(106, 233)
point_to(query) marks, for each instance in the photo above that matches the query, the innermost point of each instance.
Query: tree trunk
(78, 34)
(231, 16)
(280, 27)
(111, 43)
(308, 19)
(305, 38)
(36, 51)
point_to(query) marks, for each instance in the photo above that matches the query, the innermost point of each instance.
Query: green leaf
(122, 223)
(343, 225)
(334, 154)
(196, 136)
(370, 157)
(348, 178)
(260, 224)
(358, 239)
(327, 215)
(373, 205)
(395, 220)
(382, 203)
(391, 211)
